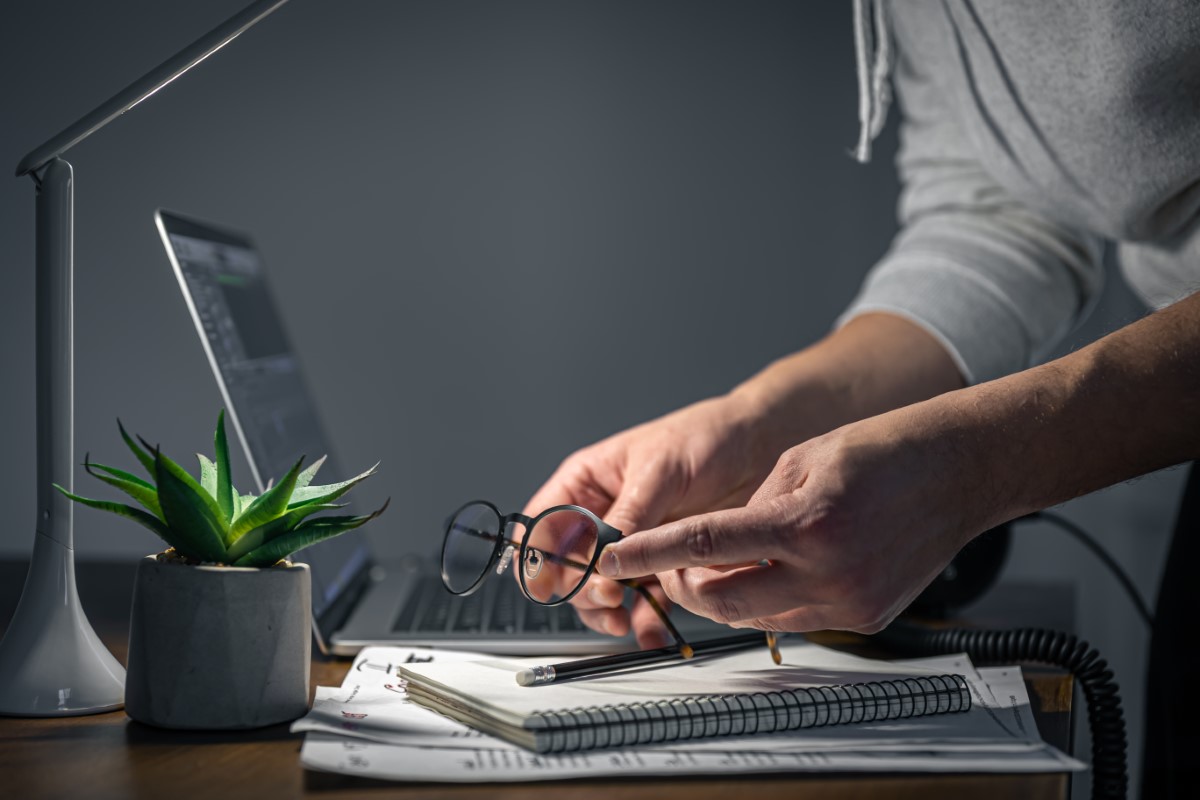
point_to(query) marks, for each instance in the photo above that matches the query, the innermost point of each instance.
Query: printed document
(368, 727)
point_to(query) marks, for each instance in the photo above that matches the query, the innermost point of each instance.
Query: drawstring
(883, 68)
(874, 93)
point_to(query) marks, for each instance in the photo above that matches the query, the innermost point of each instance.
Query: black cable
(1105, 718)
(1091, 544)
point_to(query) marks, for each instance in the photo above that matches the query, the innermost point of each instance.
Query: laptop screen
(260, 378)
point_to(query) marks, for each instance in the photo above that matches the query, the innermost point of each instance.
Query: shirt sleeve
(997, 283)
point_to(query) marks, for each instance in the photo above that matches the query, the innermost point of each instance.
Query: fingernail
(593, 594)
(608, 565)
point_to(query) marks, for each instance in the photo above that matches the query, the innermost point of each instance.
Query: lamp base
(52, 664)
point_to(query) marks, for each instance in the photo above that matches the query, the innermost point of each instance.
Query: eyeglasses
(555, 558)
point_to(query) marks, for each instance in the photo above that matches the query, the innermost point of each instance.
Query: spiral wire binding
(747, 714)
(1105, 718)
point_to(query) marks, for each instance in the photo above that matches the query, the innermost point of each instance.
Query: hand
(851, 525)
(714, 454)
(700, 458)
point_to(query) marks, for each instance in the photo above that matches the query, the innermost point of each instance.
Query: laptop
(358, 600)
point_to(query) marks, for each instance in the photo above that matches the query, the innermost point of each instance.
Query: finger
(855, 615)
(734, 536)
(736, 596)
(599, 592)
(736, 498)
(575, 482)
(647, 493)
(733, 567)
(799, 620)
(613, 621)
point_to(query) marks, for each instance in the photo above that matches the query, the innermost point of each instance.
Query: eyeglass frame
(605, 535)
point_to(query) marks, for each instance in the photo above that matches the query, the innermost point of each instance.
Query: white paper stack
(368, 727)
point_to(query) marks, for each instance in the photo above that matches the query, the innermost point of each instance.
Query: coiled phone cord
(1105, 718)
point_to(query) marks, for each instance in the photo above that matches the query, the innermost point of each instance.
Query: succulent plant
(209, 521)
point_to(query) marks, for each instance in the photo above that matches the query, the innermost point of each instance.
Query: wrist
(750, 415)
(873, 364)
(1026, 441)
(788, 402)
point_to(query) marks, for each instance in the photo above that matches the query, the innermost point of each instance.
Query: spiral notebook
(734, 695)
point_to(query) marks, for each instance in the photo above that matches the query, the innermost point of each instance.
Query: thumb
(647, 494)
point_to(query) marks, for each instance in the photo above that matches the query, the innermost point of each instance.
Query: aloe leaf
(130, 484)
(240, 503)
(190, 513)
(332, 491)
(303, 535)
(208, 475)
(309, 473)
(129, 512)
(143, 457)
(118, 473)
(267, 506)
(224, 492)
(266, 532)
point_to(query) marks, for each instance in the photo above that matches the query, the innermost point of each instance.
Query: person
(827, 490)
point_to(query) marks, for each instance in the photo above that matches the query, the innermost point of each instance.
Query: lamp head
(148, 85)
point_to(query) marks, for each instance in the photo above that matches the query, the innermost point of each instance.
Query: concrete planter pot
(218, 648)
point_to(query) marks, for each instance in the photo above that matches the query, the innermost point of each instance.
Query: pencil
(590, 667)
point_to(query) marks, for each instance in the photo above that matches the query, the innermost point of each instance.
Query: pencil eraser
(525, 677)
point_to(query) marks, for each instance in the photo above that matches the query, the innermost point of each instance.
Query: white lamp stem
(51, 661)
(55, 318)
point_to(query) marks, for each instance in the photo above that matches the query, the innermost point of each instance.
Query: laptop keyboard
(496, 607)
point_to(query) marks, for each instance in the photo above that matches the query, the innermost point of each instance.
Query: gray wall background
(498, 232)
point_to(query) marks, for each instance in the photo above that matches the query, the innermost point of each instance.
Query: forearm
(874, 363)
(1124, 406)
(852, 524)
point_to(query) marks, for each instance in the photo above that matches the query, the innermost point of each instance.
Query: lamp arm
(148, 84)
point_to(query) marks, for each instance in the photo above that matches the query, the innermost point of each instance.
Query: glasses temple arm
(685, 649)
(491, 537)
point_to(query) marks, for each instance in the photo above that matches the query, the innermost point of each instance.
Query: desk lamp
(51, 661)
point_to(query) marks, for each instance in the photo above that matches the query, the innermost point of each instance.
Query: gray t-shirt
(1033, 133)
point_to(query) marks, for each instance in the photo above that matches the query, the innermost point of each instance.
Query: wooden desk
(109, 756)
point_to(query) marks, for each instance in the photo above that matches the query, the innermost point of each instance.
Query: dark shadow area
(138, 734)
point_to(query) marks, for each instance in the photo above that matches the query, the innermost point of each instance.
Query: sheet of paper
(381, 734)
(440, 764)
(388, 719)
(372, 703)
(381, 714)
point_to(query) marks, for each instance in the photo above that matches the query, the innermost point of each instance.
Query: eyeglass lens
(556, 553)
(470, 542)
